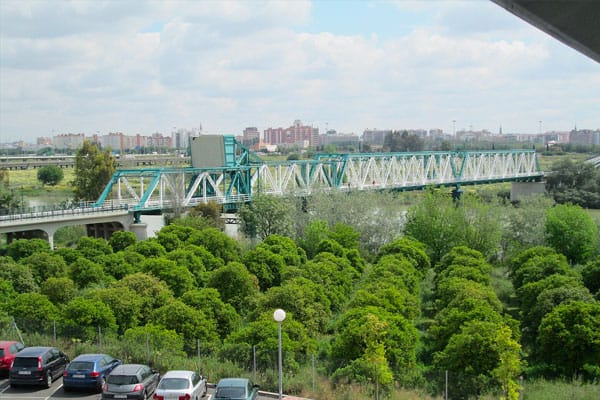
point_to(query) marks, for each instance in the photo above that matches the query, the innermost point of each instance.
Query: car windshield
(122, 379)
(81, 365)
(230, 393)
(174, 384)
(25, 362)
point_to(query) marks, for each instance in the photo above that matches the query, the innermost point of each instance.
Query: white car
(180, 385)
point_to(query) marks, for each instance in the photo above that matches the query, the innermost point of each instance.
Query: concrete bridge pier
(518, 190)
(140, 230)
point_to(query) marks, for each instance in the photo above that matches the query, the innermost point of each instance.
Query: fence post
(148, 347)
(313, 376)
(254, 363)
(198, 347)
(446, 388)
(99, 337)
(54, 330)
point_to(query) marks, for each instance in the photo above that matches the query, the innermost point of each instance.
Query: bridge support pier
(518, 190)
(140, 230)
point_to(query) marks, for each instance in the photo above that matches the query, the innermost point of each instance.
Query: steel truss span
(163, 188)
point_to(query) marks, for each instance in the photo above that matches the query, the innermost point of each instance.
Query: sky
(141, 67)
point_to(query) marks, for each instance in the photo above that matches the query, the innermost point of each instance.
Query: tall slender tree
(93, 170)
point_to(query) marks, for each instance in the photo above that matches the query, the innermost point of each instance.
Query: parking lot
(57, 392)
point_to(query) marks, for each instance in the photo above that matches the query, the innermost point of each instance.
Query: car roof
(127, 369)
(178, 374)
(33, 351)
(89, 357)
(227, 382)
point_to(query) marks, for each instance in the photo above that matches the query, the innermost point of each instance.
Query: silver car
(130, 381)
(176, 385)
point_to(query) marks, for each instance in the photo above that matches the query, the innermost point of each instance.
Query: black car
(37, 366)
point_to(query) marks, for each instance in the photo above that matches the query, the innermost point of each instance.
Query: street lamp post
(279, 316)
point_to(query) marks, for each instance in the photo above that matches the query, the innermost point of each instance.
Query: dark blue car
(89, 371)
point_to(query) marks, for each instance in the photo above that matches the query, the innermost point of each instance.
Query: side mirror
(256, 386)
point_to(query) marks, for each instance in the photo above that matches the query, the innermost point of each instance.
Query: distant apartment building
(181, 138)
(332, 137)
(158, 140)
(375, 136)
(68, 140)
(43, 141)
(251, 136)
(297, 134)
(584, 136)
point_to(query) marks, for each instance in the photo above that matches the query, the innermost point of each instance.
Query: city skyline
(145, 67)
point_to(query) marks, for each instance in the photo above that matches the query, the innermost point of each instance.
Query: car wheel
(14, 385)
(66, 388)
(48, 382)
(102, 383)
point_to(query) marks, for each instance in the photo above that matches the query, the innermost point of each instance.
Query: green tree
(524, 224)
(177, 277)
(93, 170)
(267, 215)
(265, 265)
(45, 265)
(209, 301)
(59, 290)
(193, 263)
(82, 317)
(149, 248)
(153, 292)
(335, 274)
(314, 233)
(217, 243)
(235, 284)
(33, 312)
(575, 182)
(481, 357)
(125, 304)
(301, 297)
(115, 264)
(572, 231)
(569, 338)
(407, 248)
(50, 175)
(591, 276)
(285, 247)
(20, 276)
(441, 224)
(160, 340)
(91, 247)
(22, 248)
(86, 273)
(119, 240)
(189, 322)
(263, 333)
(358, 328)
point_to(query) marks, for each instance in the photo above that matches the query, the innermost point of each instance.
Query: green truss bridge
(226, 172)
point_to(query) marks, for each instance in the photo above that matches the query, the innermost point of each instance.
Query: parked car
(8, 351)
(235, 389)
(131, 381)
(180, 385)
(89, 371)
(37, 366)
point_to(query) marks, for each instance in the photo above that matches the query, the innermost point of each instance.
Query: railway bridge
(225, 172)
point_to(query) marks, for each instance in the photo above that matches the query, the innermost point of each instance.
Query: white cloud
(141, 67)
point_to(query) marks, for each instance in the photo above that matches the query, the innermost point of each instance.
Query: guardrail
(79, 208)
